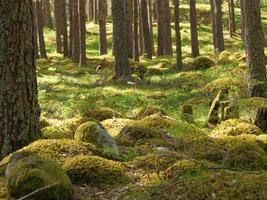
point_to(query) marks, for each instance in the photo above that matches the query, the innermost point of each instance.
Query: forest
(133, 100)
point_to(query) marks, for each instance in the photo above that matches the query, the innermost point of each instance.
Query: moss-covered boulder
(95, 171)
(202, 62)
(58, 150)
(248, 107)
(244, 154)
(114, 126)
(154, 162)
(225, 84)
(95, 133)
(55, 132)
(187, 167)
(100, 114)
(30, 173)
(234, 127)
(224, 58)
(138, 133)
(145, 111)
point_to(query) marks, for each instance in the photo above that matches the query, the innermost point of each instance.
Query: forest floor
(188, 160)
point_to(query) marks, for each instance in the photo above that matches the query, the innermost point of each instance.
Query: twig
(39, 190)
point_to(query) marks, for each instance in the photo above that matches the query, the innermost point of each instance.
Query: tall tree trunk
(82, 32)
(129, 26)
(135, 22)
(257, 80)
(19, 109)
(39, 27)
(58, 19)
(167, 23)
(35, 38)
(102, 8)
(146, 31)
(242, 21)
(75, 32)
(232, 26)
(218, 28)
(161, 25)
(96, 11)
(47, 17)
(122, 68)
(150, 11)
(193, 28)
(71, 28)
(141, 35)
(179, 62)
(64, 28)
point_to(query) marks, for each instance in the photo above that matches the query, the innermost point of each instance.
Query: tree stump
(261, 118)
(213, 116)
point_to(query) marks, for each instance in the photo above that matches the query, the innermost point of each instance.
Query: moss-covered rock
(3, 188)
(156, 95)
(137, 133)
(244, 154)
(95, 171)
(224, 84)
(95, 133)
(28, 174)
(187, 167)
(234, 127)
(224, 58)
(248, 108)
(55, 132)
(114, 126)
(100, 114)
(154, 162)
(203, 62)
(222, 184)
(145, 111)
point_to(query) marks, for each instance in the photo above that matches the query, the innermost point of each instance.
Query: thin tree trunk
(102, 7)
(82, 32)
(179, 62)
(75, 32)
(135, 21)
(193, 28)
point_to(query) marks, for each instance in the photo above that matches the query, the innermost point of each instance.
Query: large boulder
(27, 173)
(95, 133)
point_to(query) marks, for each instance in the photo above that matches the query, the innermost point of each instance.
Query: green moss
(154, 162)
(114, 126)
(224, 58)
(224, 84)
(146, 111)
(54, 132)
(100, 114)
(31, 173)
(244, 154)
(95, 171)
(221, 184)
(3, 189)
(203, 62)
(187, 167)
(234, 127)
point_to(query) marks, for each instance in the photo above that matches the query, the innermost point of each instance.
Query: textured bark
(71, 28)
(160, 21)
(135, 25)
(129, 26)
(257, 80)
(64, 28)
(19, 109)
(122, 68)
(47, 16)
(193, 28)
(58, 19)
(35, 38)
(141, 35)
(167, 23)
(261, 119)
(179, 62)
(232, 26)
(39, 28)
(102, 7)
(146, 30)
(75, 32)
(82, 32)
(218, 28)
(150, 11)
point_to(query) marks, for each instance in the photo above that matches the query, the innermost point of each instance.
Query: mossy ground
(70, 95)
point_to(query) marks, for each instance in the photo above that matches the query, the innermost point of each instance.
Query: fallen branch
(39, 190)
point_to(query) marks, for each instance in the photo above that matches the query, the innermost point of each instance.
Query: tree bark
(257, 80)
(82, 32)
(193, 28)
(122, 68)
(179, 62)
(102, 7)
(19, 109)
(75, 32)
(218, 28)
(39, 27)
(129, 26)
(232, 26)
(261, 119)
(135, 22)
